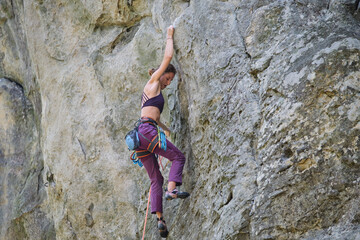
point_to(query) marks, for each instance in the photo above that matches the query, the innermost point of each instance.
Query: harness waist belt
(152, 144)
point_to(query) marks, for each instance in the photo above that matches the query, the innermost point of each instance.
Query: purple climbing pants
(152, 167)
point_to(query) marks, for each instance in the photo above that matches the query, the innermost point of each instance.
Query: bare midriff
(151, 112)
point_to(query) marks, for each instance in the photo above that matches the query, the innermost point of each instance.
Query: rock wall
(22, 186)
(265, 106)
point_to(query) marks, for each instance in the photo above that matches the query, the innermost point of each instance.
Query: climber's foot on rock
(176, 194)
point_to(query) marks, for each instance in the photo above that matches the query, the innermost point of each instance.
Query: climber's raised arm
(169, 51)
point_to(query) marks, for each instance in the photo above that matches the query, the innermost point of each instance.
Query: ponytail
(170, 68)
(151, 71)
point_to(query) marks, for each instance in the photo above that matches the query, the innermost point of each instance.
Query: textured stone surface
(265, 105)
(21, 165)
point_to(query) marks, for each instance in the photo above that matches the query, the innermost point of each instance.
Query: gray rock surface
(21, 164)
(265, 106)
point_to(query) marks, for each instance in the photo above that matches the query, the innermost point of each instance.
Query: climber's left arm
(166, 129)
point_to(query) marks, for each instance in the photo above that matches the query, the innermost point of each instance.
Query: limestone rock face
(265, 106)
(22, 188)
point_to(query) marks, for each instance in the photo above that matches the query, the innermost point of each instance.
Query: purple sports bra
(157, 101)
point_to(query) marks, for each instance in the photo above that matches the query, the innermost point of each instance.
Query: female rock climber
(152, 104)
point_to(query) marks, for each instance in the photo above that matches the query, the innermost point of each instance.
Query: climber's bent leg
(178, 161)
(175, 175)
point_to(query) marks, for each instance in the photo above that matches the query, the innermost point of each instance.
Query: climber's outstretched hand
(170, 31)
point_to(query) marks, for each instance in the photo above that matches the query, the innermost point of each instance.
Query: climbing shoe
(176, 194)
(162, 227)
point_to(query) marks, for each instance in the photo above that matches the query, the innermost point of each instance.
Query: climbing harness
(135, 160)
(158, 140)
(162, 139)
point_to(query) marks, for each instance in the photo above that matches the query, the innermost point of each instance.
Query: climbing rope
(147, 208)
